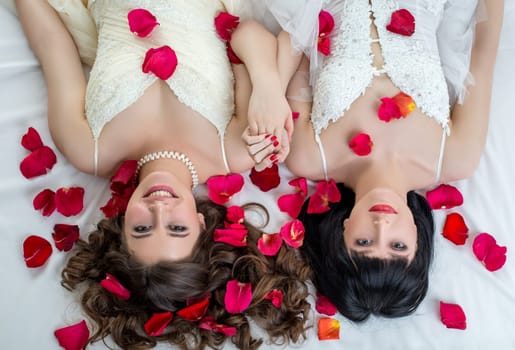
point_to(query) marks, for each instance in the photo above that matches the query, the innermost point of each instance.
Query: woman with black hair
(397, 71)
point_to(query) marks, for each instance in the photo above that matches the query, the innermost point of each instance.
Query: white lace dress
(420, 65)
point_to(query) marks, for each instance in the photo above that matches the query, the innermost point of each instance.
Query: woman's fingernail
(267, 136)
(273, 158)
(273, 138)
(276, 143)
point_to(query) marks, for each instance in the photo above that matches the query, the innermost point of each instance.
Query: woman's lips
(160, 188)
(382, 208)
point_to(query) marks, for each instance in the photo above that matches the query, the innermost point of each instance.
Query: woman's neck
(172, 166)
(379, 173)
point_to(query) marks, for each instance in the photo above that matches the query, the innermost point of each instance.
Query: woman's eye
(142, 228)
(399, 246)
(363, 242)
(177, 228)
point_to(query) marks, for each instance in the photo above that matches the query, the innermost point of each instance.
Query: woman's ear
(201, 220)
(345, 223)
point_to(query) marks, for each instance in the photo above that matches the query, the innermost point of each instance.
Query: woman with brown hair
(161, 90)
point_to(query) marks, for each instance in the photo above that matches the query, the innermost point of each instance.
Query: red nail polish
(267, 136)
(273, 158)
(274, 138)
(276, 143)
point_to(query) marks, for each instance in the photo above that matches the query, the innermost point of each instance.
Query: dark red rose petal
(65, 236)
(208, 323)
(69, 201)
(39, 162)
(267, 179)
(45, 201)
(124, 176)
(31, 140)
(36, 251)
(225, 23)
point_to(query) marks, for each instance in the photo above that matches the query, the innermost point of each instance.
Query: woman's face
(161, 220)
(381, 225)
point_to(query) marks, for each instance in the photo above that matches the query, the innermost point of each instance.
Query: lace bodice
(411, 62)
(203, 79)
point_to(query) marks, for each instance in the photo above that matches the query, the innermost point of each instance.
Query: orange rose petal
(328, 329)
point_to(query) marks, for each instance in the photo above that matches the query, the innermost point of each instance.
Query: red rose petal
(161, 61)
(124, 176)
(328, 329)
(388, 110)
(222, 187)
(402, 22)
(39, 162)
(361, 144)
(45, 200)
(270, 244)
(31, 140)
(233, 58)
(234, 237)
(65, 236)
(293, 233)
(324, 306)
(195, 311)
(225, 23)
(455, 229)
(487, 251)
(157, 323)
(74, 337)
(69, 201)
(276, 298)
(326, 192)
(238, 296)
(235, 214)
(141, 22)
(324, 46)
(452, 316)
(444, 197)
(111, 284)
(291, 204)
(36, 251)
(208, 323)
(295, 115)
(266, 179)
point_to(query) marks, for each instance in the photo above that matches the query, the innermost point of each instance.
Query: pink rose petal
(221, 188)
(161, 61)
(141, 22)
(444, 197)
(361, 144)
(324, 306)
(452, 316)
(487, 251)
(74, 337)
(111, 284)
(276, 297)
(270, 244)
(293, 233)
(238, 296)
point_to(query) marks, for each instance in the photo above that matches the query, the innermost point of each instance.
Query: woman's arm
(470, 119)
(65, 80)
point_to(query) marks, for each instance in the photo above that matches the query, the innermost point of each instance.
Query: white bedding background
(33, 304)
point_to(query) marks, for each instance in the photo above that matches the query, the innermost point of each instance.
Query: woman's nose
(381, 219)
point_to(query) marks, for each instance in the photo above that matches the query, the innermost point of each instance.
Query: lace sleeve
(81, 26)
(455, 36)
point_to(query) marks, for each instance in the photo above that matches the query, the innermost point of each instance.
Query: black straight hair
(360, 286)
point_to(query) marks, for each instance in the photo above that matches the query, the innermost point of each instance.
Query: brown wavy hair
(166, 285)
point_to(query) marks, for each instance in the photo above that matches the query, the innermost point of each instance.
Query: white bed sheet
(33, 303)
